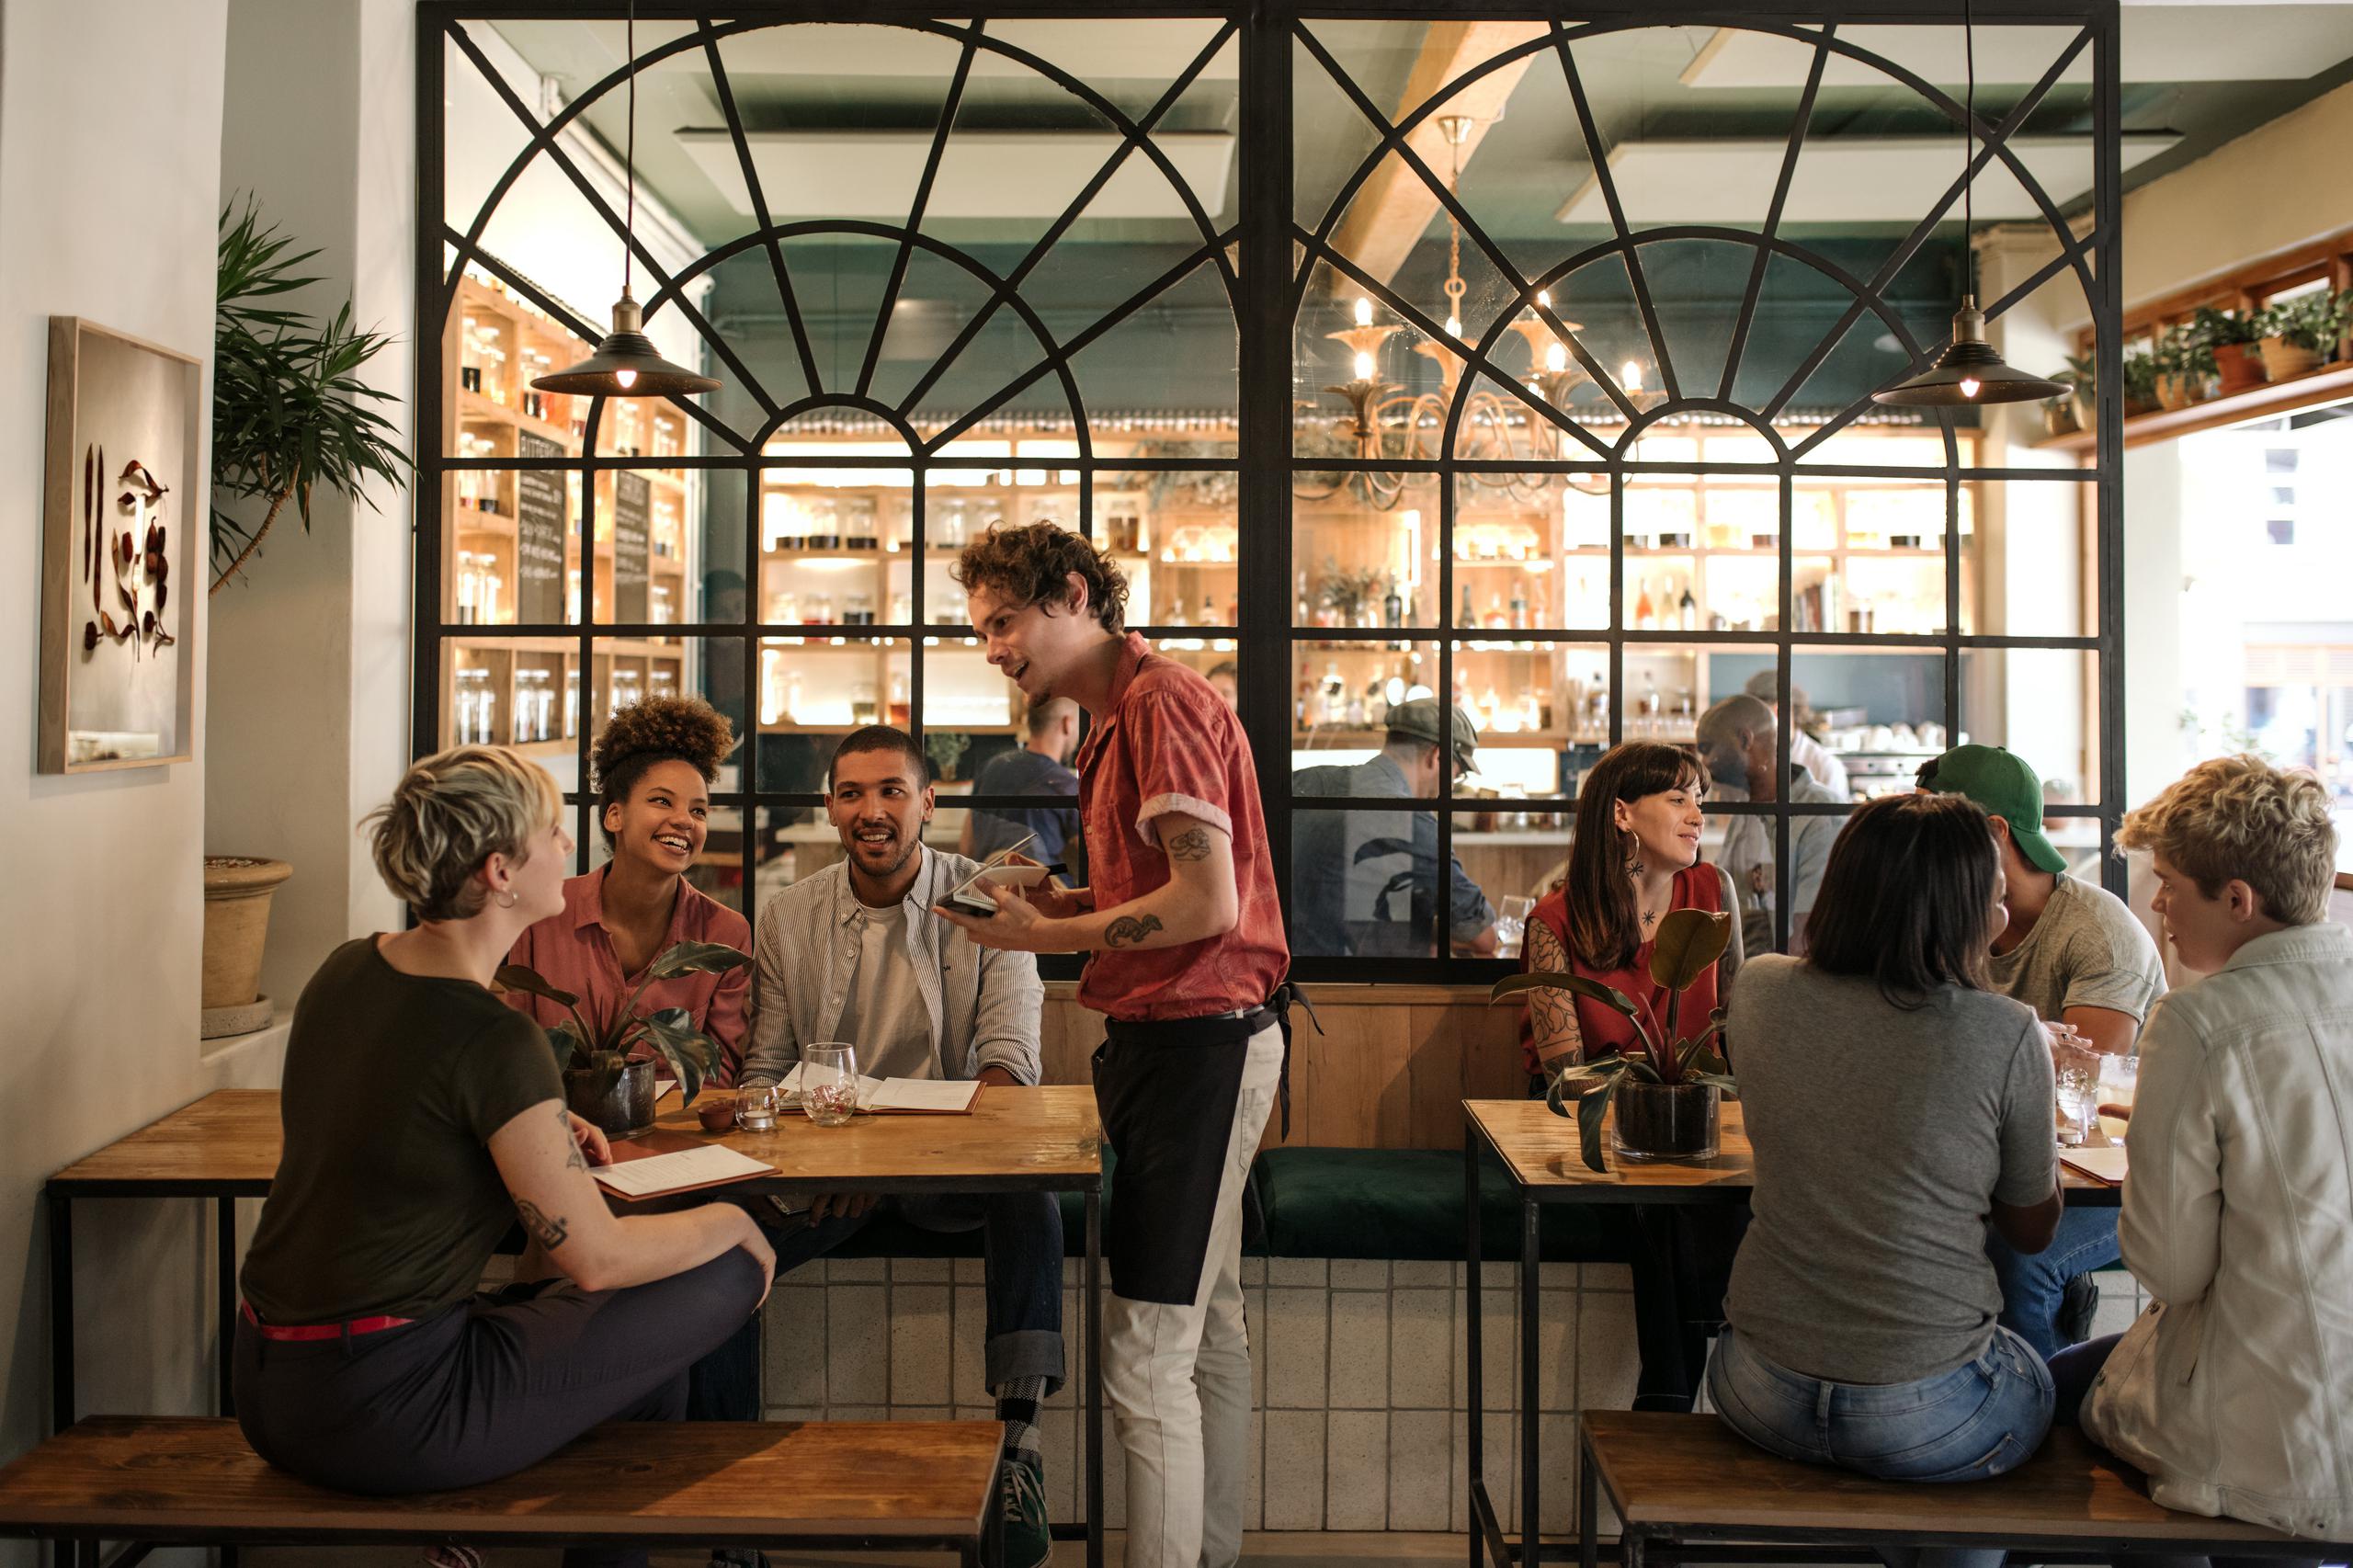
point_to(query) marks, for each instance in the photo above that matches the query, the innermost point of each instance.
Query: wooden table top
(1694, 1471)
(1540, 1151)
(698, 1485)
(228, 1143)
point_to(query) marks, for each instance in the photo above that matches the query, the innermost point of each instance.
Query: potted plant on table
(2301, 332)
(1666, 1092)
(2230, 336)
(608, 1063)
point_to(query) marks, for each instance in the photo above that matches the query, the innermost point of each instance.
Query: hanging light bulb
(1364, 367)
(1629, 375)
(625, 363)
(1364, 311)
(1969, 372)
(1556, 359)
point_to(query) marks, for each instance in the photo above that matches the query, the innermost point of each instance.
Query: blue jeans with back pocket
(1974, 1422)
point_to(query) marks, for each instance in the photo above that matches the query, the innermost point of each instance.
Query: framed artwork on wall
(118, 522)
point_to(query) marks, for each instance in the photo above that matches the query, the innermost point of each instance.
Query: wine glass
(1511, 924)
(829, 1083)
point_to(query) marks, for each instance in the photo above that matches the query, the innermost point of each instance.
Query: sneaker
(1029, 1537)
(2077, 1304)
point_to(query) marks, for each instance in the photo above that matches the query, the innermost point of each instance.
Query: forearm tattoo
(1129, 929)
(573, 1159)
(1193, 844)
(542, 1228)
(1551, 1013)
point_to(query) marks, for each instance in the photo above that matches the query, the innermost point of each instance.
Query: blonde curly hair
(452, 812)
(2240, 818)
(657, 730)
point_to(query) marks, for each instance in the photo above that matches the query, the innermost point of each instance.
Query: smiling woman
(654, 764)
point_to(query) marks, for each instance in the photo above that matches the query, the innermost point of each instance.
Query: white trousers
(1177, 1378)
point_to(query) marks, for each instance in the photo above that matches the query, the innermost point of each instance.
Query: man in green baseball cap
(2079, 956)
(1369, 882)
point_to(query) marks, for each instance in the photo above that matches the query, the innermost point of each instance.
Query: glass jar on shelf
(954, 520)
(784, 609)
(662, 681)
(899, 712)
(862, 524)
(861, 702)
(571, 702)
(629, 688)
(903, 609)
(858, 610)
(820, 609)
(659, 608)
(467, 584)
(825, 523)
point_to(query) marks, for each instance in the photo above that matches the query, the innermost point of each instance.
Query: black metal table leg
(60, 1316)
(1472, 1359)
(1531, 1542)
(225, 1231)
(1589, 1503)
(1094, 1312)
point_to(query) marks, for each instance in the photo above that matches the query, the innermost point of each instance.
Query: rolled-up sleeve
(1180, 764)
(1012, 1009)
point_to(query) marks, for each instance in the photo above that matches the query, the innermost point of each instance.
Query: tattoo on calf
(546, 1230)
(1193, 844)
(1128, 930)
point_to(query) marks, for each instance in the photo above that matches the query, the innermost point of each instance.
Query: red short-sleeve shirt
(1171, 744)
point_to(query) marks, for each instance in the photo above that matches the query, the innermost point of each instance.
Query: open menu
(680, 1170)
(901, 1097)
(2102, 1164)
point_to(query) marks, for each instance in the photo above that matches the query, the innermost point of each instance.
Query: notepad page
(922, 1094)
(682, 1168)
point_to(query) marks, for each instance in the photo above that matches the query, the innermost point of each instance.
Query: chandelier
(1384, 423)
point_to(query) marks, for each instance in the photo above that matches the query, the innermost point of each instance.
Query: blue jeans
(1023, 1248)
(1970, 1424)
(2033, 1283)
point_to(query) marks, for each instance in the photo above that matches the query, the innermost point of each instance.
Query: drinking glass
(1511, 924)
(2078, 1101)
(2119, 1077)
(829, 1083)
(756, 1107)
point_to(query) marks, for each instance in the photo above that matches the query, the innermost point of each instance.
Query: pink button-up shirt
(573, 951)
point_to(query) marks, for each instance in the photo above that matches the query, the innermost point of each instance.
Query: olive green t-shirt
(386, 1200)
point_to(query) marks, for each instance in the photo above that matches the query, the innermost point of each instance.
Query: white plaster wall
(109, 137)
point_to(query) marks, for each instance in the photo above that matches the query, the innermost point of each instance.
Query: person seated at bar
(1821, 764)
(422, 1117)
(2077, 955)
(1737, 739)
(1225, 680)
(1040, 765)
(653, 767)
(2230, 1391)
(1366, 882)
(1635, 857)
(1895, 1104)
(853, 953)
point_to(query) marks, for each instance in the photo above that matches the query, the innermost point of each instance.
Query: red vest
(1603, 1029)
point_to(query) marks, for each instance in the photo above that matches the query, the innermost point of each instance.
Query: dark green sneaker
(1029, 1539)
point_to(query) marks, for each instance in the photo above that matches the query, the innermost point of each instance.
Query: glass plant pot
(1664, 1121)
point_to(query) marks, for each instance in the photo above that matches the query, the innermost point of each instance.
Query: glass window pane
(2042, 703)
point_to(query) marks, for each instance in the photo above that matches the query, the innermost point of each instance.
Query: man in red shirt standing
(1189, 957)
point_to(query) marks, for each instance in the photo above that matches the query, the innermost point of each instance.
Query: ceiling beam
(1394, 208)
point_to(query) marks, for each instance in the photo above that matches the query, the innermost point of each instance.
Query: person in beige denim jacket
(2234, 1390)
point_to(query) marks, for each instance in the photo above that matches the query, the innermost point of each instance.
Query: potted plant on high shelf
(2301, 332)
(2139, 381)
(605, 1078)
(1666, 1092)
(290, 415)
(2230, 336)
(2184, 363)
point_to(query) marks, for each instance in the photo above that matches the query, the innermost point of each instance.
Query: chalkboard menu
(632, 519)
(539, 534)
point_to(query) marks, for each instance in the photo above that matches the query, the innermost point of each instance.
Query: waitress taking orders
(653, 768)
(1636, 859)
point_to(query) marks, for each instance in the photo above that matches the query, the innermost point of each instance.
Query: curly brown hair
(1032, 564)
(656, 729)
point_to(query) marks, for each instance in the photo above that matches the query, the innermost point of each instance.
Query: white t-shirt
(884, 1016)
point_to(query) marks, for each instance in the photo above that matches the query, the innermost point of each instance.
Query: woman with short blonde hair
(2229, 1392)
(423, 1118)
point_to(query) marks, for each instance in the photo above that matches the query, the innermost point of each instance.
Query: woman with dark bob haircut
(1863, 1328)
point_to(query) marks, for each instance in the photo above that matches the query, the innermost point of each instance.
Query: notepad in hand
(2106, 1164)
(682, 1170)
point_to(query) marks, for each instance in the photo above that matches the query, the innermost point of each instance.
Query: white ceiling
(1005, 173)
(2155, 43)
(1850, 181)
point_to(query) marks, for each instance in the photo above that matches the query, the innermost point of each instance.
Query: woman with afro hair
(653, 768)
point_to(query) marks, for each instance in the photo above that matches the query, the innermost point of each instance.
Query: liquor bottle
(1686, 610)
(1392, 608)
(1519, 606)
(1469, 618)
(1335, 693)
(1175, 616)
(1209, 611)
(1495, 611)
(1645, 613)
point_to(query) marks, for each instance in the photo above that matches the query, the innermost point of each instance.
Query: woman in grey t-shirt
(1895, 1106)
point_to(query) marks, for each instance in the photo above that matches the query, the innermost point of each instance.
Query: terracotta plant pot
(1665, 1121)
(237, 891)
(2239, 366)
(2282, 360)
(625, 1110)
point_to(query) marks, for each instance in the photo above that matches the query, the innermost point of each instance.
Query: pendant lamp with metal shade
(625, 363)
(1969, 372)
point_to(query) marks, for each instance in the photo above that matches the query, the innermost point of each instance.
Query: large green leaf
(1590, 1084)
(1688, 940)
(1590, 1111)
(1593, 990)
(1725, 1082)
(569, 1052)
(697, 957)
(672, 1034)
(523, 978)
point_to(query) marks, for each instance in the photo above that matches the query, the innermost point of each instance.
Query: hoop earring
(509, 902)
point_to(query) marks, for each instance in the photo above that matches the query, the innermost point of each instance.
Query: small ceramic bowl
(718, 1115)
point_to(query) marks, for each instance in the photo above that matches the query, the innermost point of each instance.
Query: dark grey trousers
(489, 1387)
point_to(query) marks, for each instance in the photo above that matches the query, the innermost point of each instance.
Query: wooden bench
(1687, 1481)
(910, 1485)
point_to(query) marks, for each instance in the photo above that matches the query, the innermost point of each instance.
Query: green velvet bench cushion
(1407, 1203)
